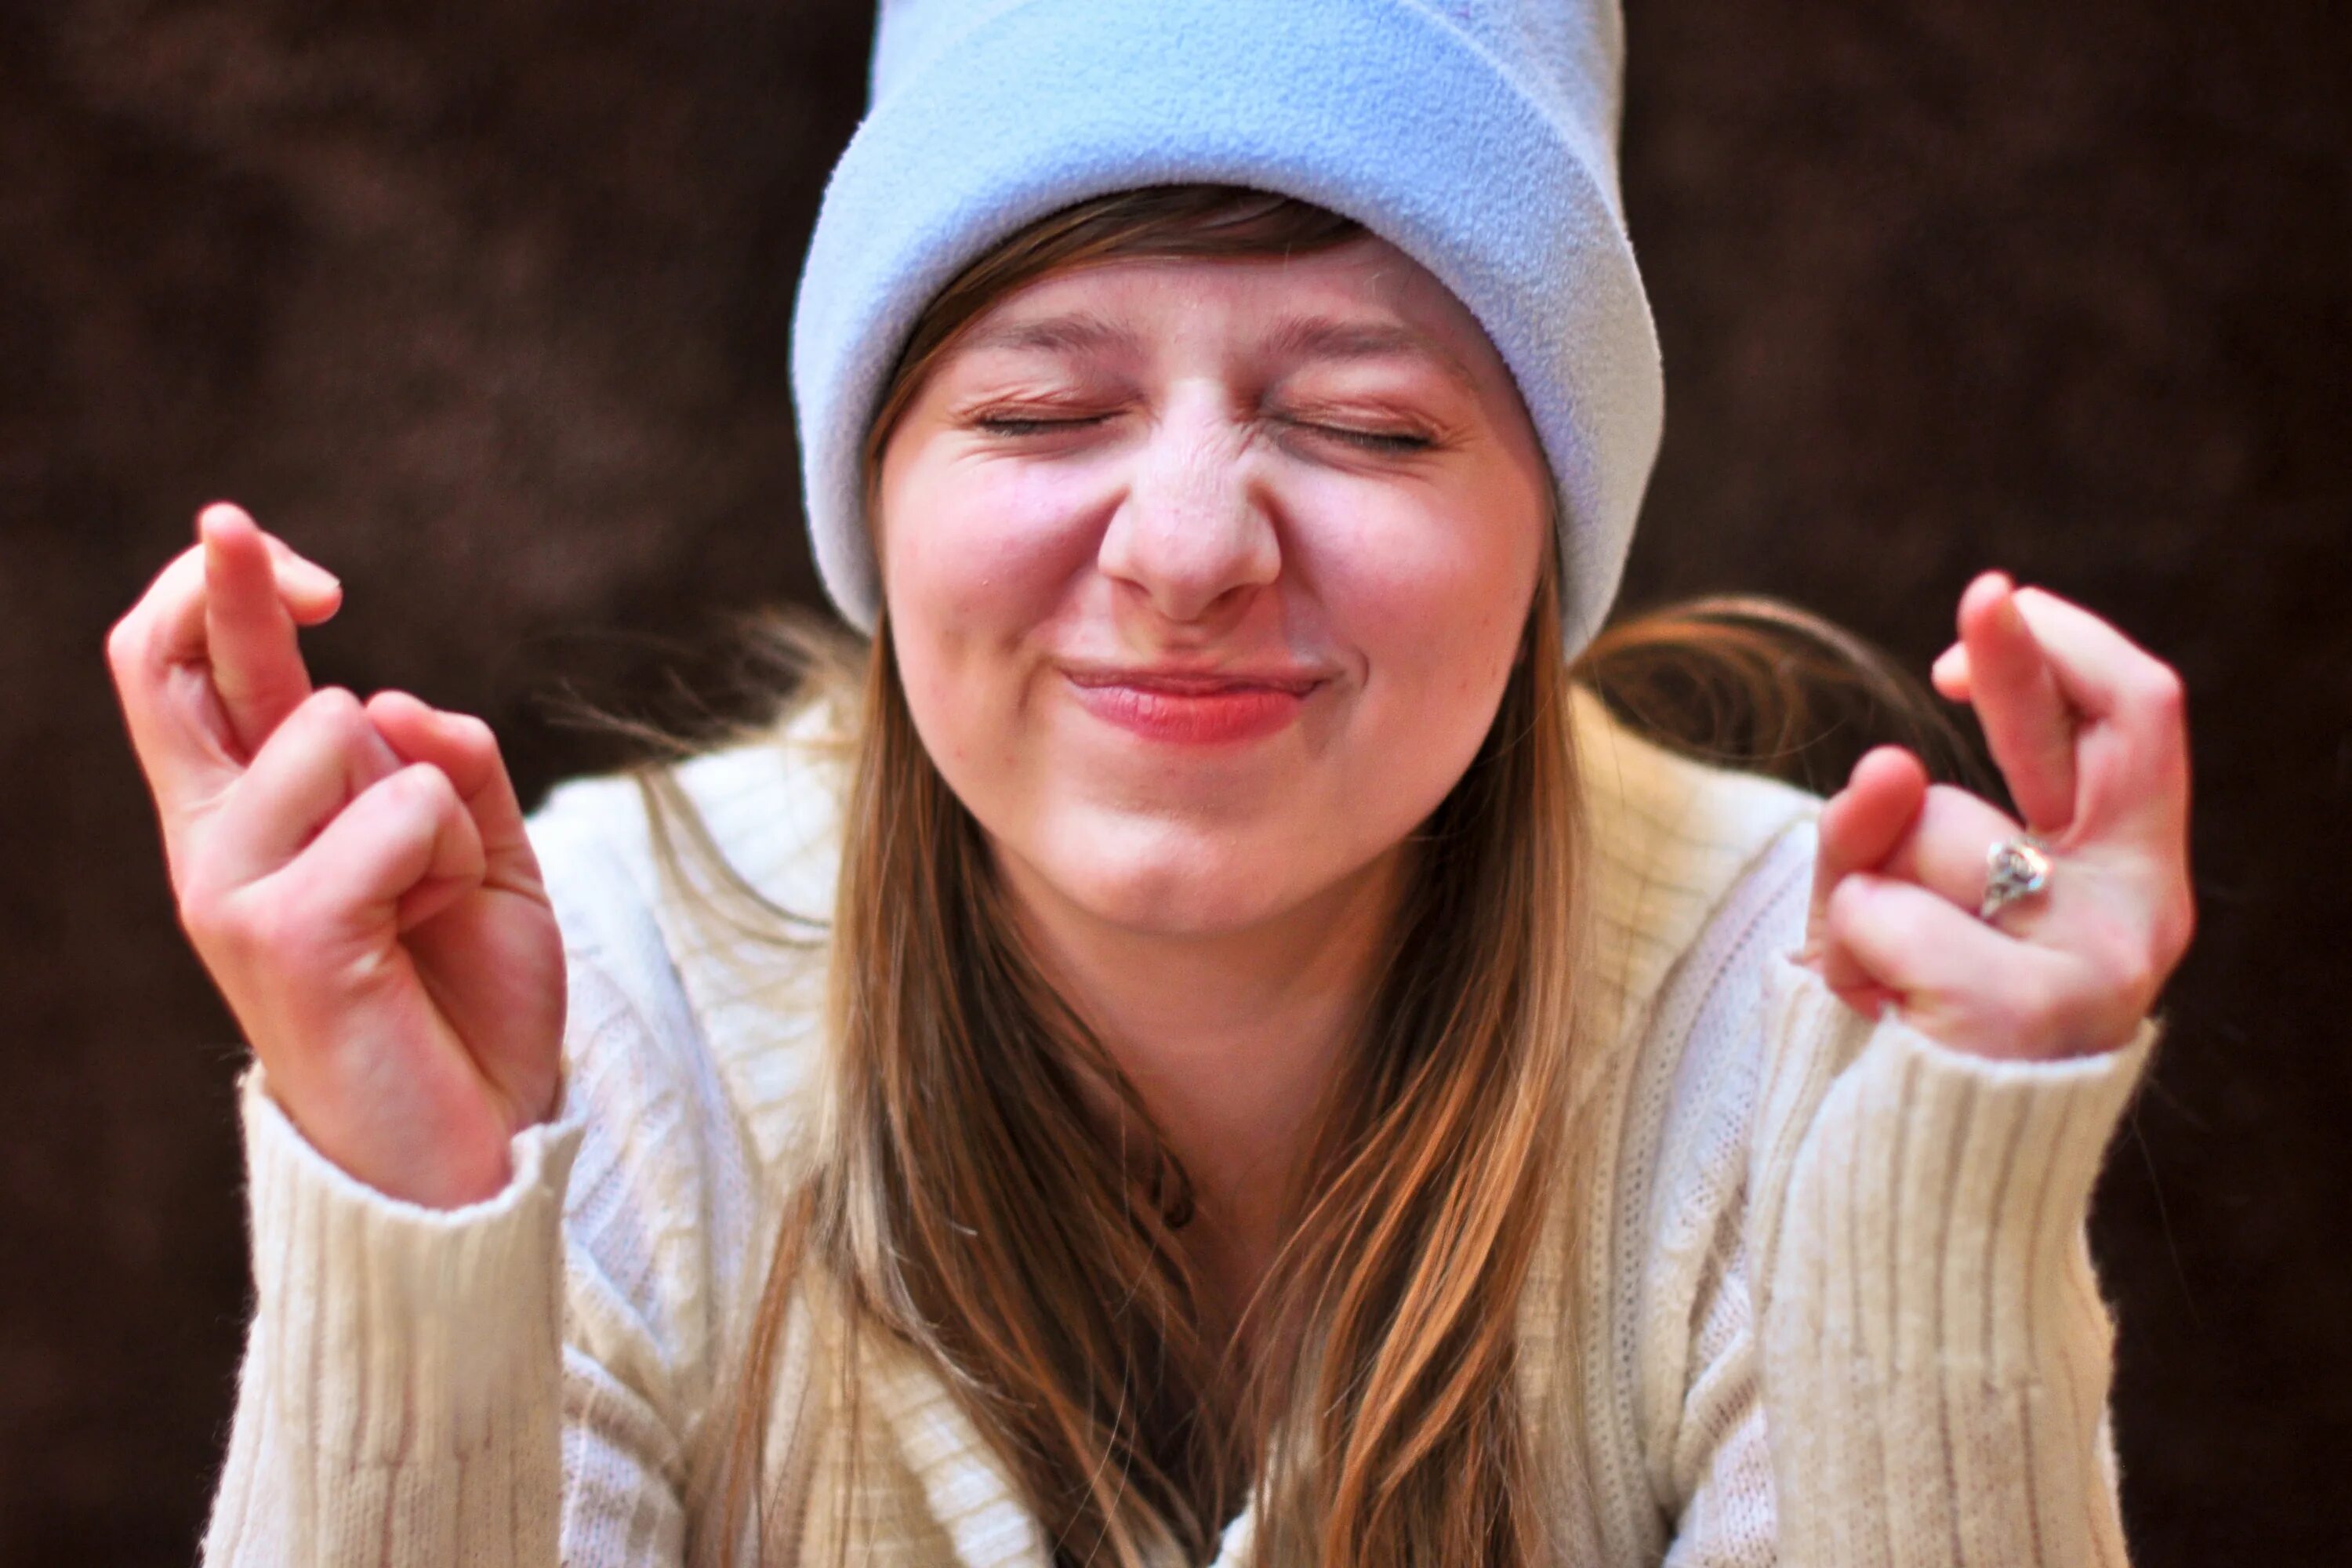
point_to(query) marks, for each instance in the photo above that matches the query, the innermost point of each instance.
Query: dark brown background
(486, 306)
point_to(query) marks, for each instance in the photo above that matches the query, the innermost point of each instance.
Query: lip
(1194, 707)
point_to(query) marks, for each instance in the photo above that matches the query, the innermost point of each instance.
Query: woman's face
(1205, 576)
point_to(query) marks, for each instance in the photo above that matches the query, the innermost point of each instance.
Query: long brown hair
(966, 1203)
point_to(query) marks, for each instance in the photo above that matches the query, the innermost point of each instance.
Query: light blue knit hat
(1477, 136)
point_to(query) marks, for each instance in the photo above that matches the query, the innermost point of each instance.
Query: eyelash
(1373, 440)
(1369, 440)
(1016, 428)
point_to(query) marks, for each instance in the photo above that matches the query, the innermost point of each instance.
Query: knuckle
(2138, 982)
(136, 646)
(222, 925)
(2160, 690)
(124, 641)
(425, 788)
(2176, 926)
(330, 717)
(2028, 1007)
(2120, 962)
(2165, 942)
(276, 928)
(2086, 1007)
(200, 893)
(335, 709)
(204, 918)
(2083, 1021)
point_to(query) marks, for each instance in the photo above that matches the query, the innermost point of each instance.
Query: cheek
(983, 550)
(1435, 605)
(977, 561)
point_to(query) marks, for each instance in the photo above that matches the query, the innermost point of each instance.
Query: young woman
(1200, 1039)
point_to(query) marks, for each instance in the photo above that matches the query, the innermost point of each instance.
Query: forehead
(1360, 301)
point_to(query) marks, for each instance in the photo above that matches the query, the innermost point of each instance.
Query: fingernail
(2013, 624)
(310, 575)
(1948, 663)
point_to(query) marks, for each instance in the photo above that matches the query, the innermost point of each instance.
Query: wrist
(450, 1165)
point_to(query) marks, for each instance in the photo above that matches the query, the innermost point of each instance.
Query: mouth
(1194, 708)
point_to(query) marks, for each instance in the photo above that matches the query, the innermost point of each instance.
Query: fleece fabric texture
(1477, 136)
(1822, 1298)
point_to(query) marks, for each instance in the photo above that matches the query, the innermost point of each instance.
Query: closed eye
(1380, 441)
(1013, 429)
(1395, 441)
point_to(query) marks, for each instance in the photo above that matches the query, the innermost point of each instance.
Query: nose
(1190, 534)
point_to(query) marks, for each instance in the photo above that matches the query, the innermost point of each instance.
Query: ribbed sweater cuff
(1937, 1356)
(394, 1333)
(1957, 1186)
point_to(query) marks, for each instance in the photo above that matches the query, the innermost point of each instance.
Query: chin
(1174, 883)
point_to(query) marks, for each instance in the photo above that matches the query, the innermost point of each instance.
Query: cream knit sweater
(1834, 1305)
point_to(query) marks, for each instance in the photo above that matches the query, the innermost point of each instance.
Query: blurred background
(485, 306)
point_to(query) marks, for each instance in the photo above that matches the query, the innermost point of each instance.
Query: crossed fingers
(2089, 733)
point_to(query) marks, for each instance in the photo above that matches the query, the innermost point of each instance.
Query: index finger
(2133, 757)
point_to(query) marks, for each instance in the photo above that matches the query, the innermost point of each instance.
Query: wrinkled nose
(1191, 536)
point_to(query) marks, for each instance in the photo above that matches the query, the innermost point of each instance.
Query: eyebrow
(1322, 337)
(1315, 337)
(1075, 334)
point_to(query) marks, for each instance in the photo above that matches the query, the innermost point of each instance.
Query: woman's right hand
(355, 877)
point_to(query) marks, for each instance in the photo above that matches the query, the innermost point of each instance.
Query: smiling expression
(1205, 576)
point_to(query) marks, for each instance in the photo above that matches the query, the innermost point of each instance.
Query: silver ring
(2015, 868)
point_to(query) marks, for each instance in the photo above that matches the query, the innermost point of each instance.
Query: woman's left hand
(2089, 732)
